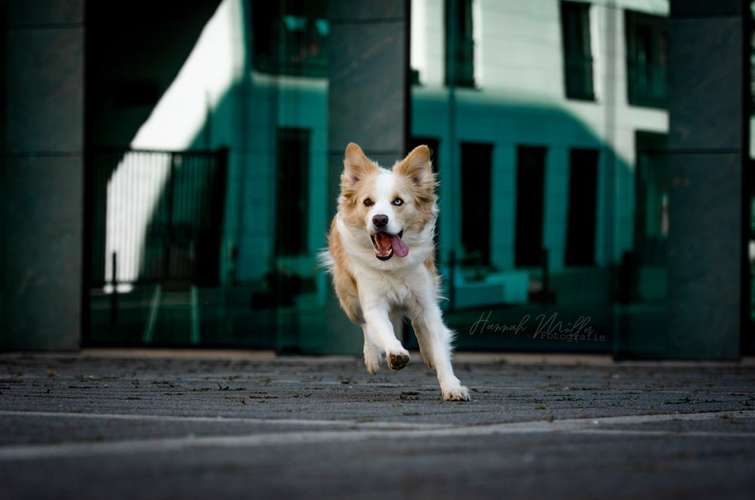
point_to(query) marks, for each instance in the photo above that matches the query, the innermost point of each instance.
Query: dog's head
(388, 210)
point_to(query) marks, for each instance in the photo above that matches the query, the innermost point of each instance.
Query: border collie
(381, 257)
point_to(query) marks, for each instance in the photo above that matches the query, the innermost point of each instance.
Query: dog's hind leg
(371, 353)
(440, 338)
(425, 342)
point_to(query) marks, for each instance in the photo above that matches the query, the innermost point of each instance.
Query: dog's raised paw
(397, 360)
(458, 393)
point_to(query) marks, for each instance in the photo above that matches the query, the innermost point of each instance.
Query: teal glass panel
(553, 183)
(207, 176)
(210, 181)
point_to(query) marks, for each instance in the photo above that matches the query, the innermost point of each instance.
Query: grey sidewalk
(108, 427)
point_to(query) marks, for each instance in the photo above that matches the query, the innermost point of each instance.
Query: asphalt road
(83, 427)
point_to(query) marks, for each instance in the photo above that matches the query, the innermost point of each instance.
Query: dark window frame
(576, 40)
(646, 59)
(460, 35)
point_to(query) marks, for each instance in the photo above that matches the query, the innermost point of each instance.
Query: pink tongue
(399, 247)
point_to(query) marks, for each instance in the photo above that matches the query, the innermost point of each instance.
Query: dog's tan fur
(343, 281)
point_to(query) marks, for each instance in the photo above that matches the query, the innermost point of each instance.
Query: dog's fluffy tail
(325, 260)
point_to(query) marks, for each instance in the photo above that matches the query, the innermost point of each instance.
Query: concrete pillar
(709, 112)
(367, 104)
(41, 201)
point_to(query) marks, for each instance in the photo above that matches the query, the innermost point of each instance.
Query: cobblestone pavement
(110, 427)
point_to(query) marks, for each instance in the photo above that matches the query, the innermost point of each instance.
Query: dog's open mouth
(386, 245)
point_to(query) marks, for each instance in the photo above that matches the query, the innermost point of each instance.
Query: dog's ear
(419, 169)
(356, 166)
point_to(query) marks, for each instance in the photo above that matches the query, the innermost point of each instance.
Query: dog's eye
(368, 202)
(398, 202)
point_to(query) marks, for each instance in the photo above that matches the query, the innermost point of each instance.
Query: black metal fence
(156, 216)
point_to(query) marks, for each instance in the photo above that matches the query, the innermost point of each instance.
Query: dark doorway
(583, 185)
(530, 188)
(476, 160)
(652, 187)
(292, 195)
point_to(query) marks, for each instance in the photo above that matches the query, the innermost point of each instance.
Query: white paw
(397, 359)
(455, 392)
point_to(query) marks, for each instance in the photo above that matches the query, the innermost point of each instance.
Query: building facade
(212, 149)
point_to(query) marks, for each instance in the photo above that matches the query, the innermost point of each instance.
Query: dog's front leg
(371, 353)
(379, 330)
(429, 325)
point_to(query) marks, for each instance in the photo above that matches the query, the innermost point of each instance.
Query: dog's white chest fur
(400, 286)
(395, 287)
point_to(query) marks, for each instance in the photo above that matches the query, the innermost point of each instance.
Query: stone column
(41, 201)
(367, 104)
(709, 199)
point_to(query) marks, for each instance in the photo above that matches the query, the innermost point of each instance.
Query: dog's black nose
(380, 220)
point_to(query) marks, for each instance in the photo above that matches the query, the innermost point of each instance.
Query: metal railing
(156, 216)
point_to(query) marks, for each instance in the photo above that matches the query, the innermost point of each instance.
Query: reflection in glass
(209, 236)
(547, 113)
(547, 125)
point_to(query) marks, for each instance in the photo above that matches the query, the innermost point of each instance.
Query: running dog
(381, 258)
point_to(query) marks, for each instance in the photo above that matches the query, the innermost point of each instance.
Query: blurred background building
(170, 170)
